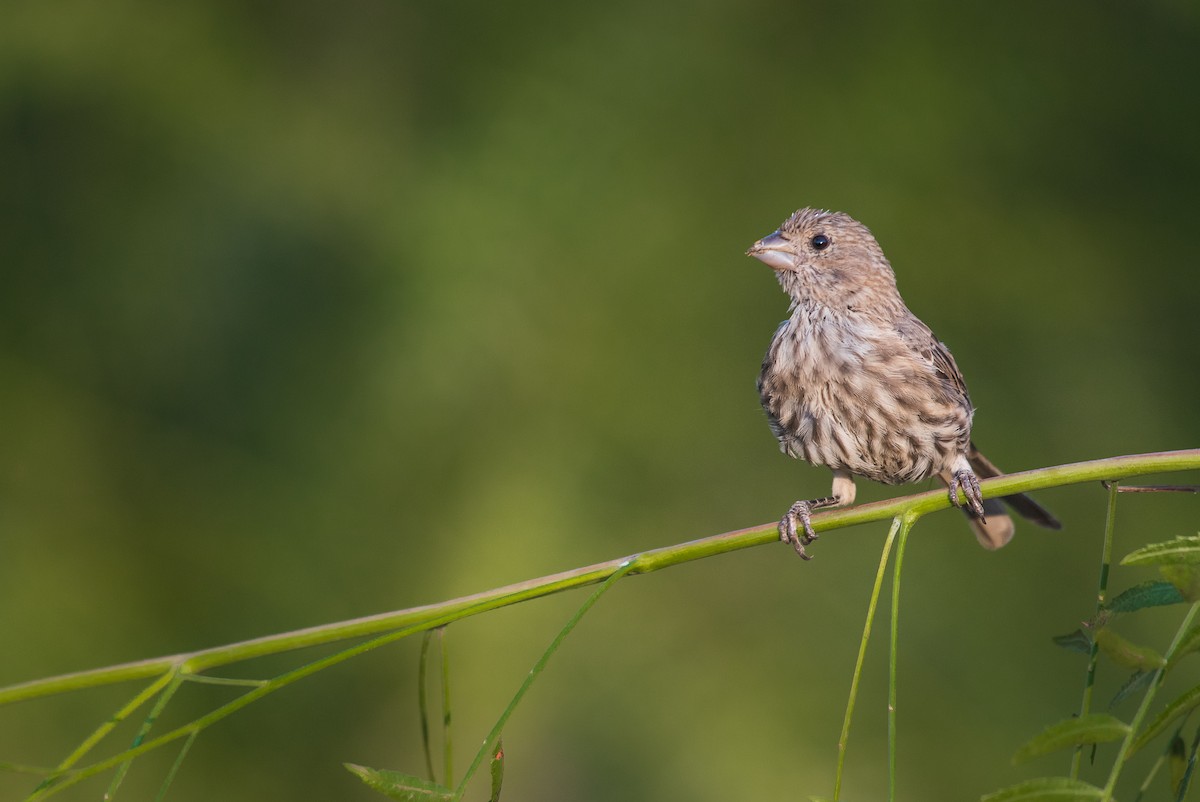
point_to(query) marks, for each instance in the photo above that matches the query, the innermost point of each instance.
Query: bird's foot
(969, 483)
(801, 513)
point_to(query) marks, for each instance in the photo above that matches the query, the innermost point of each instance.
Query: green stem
(420, 618)
(862, 653)
(423, 703)
(1158, 764)
(905, 528)
(170, 778)
(62, 781)
(160, 704)
(1085, 705)
(489, 745)
(1144, 707)
(447, 741)
(127, 710)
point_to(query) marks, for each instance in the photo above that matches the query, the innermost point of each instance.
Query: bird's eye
(820, 242)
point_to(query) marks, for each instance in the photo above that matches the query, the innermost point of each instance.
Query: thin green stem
(423, 703)
(205, 679)
(104, 729)
(489, 745)
(1144, 707)
(170, 778)
(1158, 764)
(447, 741)
(160, 704)
(905, 528)
(420, 618)
(63, 781)
(1089, 682)
(19, 768)
(862, 654)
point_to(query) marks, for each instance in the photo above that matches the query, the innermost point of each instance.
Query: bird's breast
(845, 391)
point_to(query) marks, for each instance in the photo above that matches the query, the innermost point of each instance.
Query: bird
(855, 382)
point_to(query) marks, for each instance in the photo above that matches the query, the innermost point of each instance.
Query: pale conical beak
(773, 251)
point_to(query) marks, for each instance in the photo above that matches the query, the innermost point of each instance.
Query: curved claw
(800, 511)
(969, 483)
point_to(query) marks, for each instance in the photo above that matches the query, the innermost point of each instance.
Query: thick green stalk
(420, 618)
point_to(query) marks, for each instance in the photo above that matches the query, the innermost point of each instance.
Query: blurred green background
(312, 311)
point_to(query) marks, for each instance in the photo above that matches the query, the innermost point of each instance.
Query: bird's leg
(801, 512)
(965, 479)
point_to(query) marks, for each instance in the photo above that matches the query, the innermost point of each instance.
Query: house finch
(854, 381)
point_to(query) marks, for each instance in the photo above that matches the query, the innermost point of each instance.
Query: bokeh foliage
(310, 311)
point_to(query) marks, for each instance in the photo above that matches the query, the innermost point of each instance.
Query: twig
(420, 618)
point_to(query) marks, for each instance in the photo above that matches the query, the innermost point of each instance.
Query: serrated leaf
(1047, 789)
(1135, 683)
(497, 771)
(1185, 577)
(1093, 729)
(1077, 641)
(1179, 707)
(1180, 551)
(1152, 593)
(1190, 642)
(401, 786)
(1127, 654)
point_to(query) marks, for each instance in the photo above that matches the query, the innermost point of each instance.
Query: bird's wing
(936, 354)
(943, 363)
(767, 380)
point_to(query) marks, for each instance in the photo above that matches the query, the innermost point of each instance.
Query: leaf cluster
(1178, 562)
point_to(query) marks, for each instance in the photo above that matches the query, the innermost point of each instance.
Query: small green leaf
(1152, 593)
(1077, 641)
(1179, 707)
(497, 771)
(1092, 729)
(1135, 683)
(1126, 654)
(401, 786)
(1185, 577)
(1047, 789)
(1189, 643)
(1180, 551)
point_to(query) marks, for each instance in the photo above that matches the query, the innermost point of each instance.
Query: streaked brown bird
(856, 382)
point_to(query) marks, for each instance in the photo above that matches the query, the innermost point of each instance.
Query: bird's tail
(998, 528)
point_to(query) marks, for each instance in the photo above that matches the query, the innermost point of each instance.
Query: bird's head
(827, 257)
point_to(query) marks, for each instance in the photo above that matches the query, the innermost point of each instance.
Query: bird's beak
(773, 251)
